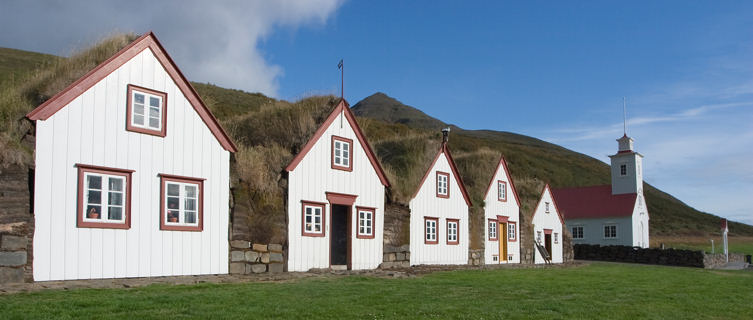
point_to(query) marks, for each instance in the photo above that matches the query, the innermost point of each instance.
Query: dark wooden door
(339, 236)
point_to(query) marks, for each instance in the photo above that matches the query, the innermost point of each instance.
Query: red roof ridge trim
(459, 180)
(503, 164)
(146, 41)
(342, 106)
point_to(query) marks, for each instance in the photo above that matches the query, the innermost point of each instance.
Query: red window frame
(164, 178)
(496, 227)
(350, 154)
(359, 235)
(127, 174)
(436, 188)
(457, 232)
(129, 111)
(321, 205)
(515, 234)
(436, 228)
(499, 196)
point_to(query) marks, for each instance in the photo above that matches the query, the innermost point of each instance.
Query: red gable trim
(502, 163)
(342, 106)
(554, 202)
(148, 40)
(444, 149)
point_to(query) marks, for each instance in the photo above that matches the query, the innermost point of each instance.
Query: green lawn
(599, 291)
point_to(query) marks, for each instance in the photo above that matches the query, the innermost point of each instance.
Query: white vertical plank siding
(311, 179)
(542, 220)
(511, 209)
(91, 130)
(427, 204)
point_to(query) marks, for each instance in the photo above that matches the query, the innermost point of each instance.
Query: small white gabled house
(336, 199)
(547, 228)
(502, 217)
(613, 214)
(132, 174)
(439, 214)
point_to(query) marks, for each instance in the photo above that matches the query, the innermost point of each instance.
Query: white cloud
(214, 41)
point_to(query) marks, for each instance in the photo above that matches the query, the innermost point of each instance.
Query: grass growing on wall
(597, 291)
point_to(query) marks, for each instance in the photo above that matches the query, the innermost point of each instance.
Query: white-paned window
(492, 229)
(365, 223)
(511, 232)
(623, 169)
(502, 191)
(182, 203)
(538, 237)
(313, 219)
(442, 184)
(430, 230)
(105, 198)
(547, 207)
(556, 236)
(146, 110)
(610, 231)
(342, 153)
(577, 232)
(452, 231)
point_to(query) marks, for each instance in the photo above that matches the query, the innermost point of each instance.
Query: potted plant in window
(172, 215)
(93, 214)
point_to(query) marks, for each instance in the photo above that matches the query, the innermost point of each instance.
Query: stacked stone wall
(687, 258)
(476, 257)
(16, 224)
(248, 258)
(396, 257)
(717, 259)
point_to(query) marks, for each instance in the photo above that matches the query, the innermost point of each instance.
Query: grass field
(599, 290)
(736, 244)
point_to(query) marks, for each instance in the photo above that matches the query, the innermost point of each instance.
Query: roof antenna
(341, 67)
(624, 117)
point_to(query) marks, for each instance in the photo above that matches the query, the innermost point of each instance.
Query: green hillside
(14, 63)
(269, 132)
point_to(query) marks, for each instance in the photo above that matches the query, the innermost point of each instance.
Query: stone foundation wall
(247, 258)
(16, 224)
(687, 258)
(717, 259)
(396, 257)
(475, 257)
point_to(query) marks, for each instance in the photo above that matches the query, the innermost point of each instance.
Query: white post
(725, 230)
(712, 246)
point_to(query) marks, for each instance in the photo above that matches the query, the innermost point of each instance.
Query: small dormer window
(501, 190)
(546, 206)
(342, 153)
(443, 180)
(146, 111)
(623, 169)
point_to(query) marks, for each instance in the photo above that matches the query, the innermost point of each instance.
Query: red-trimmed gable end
(444, 149)
(146, 41)
(503, 164)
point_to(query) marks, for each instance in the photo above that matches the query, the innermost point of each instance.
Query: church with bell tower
(613, 214)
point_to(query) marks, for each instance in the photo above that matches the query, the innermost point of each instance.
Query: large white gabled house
(336, 199)
(613, 214)
(547, 226)
(132, 174)
(439, 214)
(502, 217)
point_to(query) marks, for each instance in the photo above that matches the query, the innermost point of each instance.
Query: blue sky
(553, 70)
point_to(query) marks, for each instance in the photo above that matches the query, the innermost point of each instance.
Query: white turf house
(547, 228)
(132, 174)
(502, 217)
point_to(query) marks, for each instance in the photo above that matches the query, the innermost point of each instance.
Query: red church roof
(593, 202)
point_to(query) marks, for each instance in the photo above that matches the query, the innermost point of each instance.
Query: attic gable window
(547, 207)
(146, 111)
(104, 197)
(342, 153)
(182, 200)
(443, 187)
(501, 190)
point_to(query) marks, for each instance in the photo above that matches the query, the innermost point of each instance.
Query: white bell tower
(627, 171)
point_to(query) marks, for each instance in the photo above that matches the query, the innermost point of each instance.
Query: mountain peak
(380, 106)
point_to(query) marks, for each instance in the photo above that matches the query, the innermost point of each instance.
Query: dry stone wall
(687, 258)
(718, 259)
(476, 257)
(248, 258)
(16, 224)
(396, 257)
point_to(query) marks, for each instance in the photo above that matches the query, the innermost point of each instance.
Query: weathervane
(341, 67)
